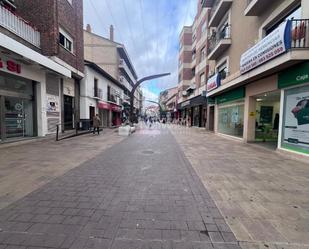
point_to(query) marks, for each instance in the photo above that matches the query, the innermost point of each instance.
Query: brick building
(30, 97)
(61, 29)
(193, 70)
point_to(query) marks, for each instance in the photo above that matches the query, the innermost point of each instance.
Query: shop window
(231, 119)
(295, 128)
(65, 40)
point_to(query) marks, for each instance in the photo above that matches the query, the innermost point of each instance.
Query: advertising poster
(52, 103)
(296, 123)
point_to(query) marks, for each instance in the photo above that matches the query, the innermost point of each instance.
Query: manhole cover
(147, 152)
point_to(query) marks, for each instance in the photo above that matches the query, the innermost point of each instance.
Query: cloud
(149, 30)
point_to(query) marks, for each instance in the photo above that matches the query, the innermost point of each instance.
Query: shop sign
(52, 103)
(252, 114)
(276, 43)
(103, 105)
(213, 82)
(184, 104)
(11, 66)
(296, 119)
(293, 76)
(232, 95)
(116, 108)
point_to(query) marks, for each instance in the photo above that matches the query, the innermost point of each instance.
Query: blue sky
(149, 29)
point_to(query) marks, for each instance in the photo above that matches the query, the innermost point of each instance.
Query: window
(202, 79)
(222, 70)
(65, 40)
(203, 54)
(96, 90)
(204, 27)
(193, 71)
(294, 14)
(193, 54)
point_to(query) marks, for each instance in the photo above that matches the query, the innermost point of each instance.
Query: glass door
(18, 117)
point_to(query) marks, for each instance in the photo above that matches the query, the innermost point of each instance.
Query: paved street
(140, 193)
(263, 196)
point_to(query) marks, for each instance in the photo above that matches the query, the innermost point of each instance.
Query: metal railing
(19, 27)
(300, 33)
(217, 37)
(214, 8)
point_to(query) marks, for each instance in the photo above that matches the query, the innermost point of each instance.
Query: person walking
(96, 124)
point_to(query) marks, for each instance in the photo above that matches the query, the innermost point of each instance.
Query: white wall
(87, 86)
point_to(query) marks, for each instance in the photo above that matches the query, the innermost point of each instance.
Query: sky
(150, 32)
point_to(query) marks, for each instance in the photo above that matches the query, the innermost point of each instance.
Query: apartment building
(61, 33)
(168, 103)
(193, 70)
(258, 62)
(27, 77)
(114, 59)
(100, 94)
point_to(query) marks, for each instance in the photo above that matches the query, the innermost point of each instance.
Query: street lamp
(151, 77)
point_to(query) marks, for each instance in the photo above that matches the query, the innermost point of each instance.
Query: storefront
(230, 115)
(17, 107)
(193, 111)
(116, 114)
(294, 83)
(104, 113)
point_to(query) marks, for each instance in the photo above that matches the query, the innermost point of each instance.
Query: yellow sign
(252, 114)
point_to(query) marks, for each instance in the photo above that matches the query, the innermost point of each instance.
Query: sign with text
(274, 44)
(296, 118)
(213, 82)
(10, 66)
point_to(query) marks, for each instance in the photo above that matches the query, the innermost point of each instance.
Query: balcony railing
(19, 27)
(300, 33)
(218, 10)
(217, 37)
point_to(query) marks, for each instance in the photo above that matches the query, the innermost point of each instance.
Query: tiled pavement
(28, 166)
(140, 193)
(263, 196)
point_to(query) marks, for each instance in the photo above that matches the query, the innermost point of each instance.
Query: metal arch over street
(151, 77)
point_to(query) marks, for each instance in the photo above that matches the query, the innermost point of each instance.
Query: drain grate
(148, 152)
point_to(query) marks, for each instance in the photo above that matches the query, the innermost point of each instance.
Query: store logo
(11, 66)
(302, 77)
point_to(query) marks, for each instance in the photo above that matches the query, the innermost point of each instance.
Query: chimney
(111, 33)
(88, 28)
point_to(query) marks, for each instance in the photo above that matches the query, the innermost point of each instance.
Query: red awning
(115, 108)
(104, 105)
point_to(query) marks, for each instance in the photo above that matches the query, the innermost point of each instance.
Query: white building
(100, 94)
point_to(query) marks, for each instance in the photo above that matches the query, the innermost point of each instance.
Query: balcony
(219, 42)
(19, 27)
(123, 65)
(206, 3)
(255, 7)
(125, 83)
(219, 8)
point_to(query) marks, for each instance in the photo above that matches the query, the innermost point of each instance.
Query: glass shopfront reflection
(16, 107)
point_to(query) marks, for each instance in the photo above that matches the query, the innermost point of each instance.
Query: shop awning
(28, 53)
(199, 100)
(103, 105)
(115, 108)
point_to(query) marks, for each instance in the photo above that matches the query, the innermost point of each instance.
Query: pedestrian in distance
(96, 124)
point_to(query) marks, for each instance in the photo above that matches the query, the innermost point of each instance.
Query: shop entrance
(267, 118)
(211, 122)
(68, 112)
(16, 119)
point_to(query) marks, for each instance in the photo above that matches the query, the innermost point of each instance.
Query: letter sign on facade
(11, 66)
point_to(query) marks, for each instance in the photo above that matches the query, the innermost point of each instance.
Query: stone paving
(263, 196)
(27, 166)
(141, 193)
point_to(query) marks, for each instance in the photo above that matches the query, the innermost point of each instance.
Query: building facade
(26, 76)
(100, 94)
(168, 103)
(258, 83)
(193, 70)
(61, 30)
(114, 59)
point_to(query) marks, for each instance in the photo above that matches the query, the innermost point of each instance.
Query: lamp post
(151, 77)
